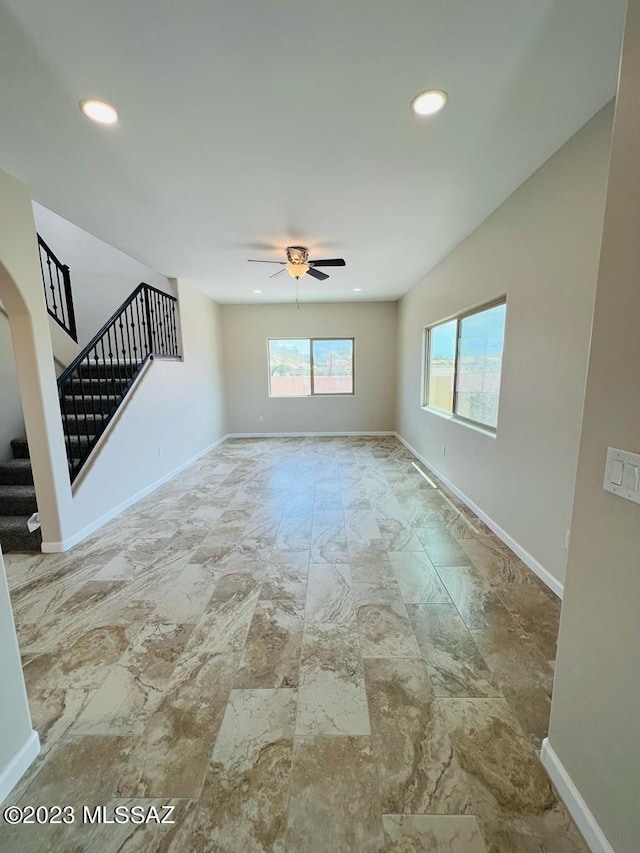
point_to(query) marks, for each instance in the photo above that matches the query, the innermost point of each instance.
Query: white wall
(541, 249)
(595, 721)
(246, 329)
(101, 277)
(11, 420)
(178, 406)
(18, 743)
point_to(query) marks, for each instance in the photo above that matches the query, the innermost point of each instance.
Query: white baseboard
(576, 806)
(306, 434)
(528, 559)
(65, 544)
(19, 764)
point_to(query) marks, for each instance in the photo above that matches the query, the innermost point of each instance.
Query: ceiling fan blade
(277, 273)
(254, 261)
(329, 262)
(317, 274)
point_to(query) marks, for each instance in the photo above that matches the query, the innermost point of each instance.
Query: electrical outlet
(261, 419)
(160, 453)
(444, 449)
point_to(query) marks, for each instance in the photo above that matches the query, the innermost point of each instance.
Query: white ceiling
(250, 125)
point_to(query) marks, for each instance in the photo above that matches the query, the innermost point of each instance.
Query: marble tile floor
(299, 645)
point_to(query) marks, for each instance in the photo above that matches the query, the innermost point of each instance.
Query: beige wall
(246, 329)
(11, 420)
(16, 737)
(595, 718)
(177, 410)
(541, 249)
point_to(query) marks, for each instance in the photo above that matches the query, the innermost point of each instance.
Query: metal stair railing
(57, 289)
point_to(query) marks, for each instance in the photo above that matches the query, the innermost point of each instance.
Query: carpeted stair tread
(77, 443)
(15, 536)
(104, 384)
(18, 500)
(101, 371)
(81, 420)
(16, 472)
(102, 403)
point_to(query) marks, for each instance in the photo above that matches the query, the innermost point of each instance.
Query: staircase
(88, 401)
(90, 390)
(94, 385)
(17, 501)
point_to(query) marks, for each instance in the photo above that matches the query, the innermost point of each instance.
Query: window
(464, 363)
(303, 367)
(442, 355)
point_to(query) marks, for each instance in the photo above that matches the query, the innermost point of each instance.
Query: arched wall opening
(22, 296)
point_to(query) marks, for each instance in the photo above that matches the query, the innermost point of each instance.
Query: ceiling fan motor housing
(297, 254)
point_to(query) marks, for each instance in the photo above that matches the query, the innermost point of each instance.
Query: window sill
(306, 396)
(447, 416)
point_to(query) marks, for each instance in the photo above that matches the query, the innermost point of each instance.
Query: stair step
(20, 448)
(122, 370)
(83, 422)
(15, 536)
(16, 472)
(18, 500)
(92, 404)
(111, 387)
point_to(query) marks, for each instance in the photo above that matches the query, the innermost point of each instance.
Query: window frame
(426, 361)
(312, 391)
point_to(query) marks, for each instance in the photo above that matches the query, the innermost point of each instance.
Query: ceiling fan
(298, 264)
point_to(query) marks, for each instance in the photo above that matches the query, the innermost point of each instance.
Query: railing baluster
(93, 393)
(165, 327)
(142, 342)
(120, 359)
(102, 371)
(174, 328)
(60, 299)
(165, 303)
(75, 417)
(84, 410)
(110, 357)
(126, 323)
(148, 318)
(54, 307)
(159, 325)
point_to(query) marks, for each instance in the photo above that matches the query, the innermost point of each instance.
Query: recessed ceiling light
(429, 102)
(99, 111)
(357, 289)
(257, 291)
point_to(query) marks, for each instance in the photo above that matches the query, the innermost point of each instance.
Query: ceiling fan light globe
(296, 270)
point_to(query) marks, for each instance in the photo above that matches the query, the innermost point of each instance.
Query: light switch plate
(622, 481)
